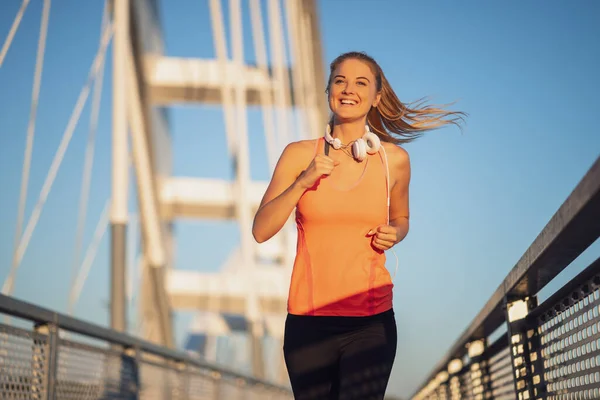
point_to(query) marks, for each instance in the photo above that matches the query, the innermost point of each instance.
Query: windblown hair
(393, 117)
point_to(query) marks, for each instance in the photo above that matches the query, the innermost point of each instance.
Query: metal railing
(61, 357)
(549, 350)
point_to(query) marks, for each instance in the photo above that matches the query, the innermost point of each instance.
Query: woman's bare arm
(386, 236)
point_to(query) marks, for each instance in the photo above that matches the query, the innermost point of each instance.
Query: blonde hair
(393, 117)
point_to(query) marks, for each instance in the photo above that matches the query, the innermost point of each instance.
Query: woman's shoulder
(398, 162)
(397, 155)
(303, 145)
(299, 154)
(301, 149)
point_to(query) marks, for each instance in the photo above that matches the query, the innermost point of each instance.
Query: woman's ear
(377, 100)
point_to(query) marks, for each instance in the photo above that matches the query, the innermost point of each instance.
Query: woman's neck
(348, 132)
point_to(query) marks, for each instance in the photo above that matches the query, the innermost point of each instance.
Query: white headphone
(369, 143)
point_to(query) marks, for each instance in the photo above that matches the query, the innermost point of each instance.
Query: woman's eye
(361, 83)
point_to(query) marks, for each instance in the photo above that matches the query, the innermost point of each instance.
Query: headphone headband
(369, 143)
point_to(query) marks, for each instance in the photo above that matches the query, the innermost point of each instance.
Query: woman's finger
(382, 242)
(386, 236)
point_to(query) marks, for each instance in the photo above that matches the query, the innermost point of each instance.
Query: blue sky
(526, 72)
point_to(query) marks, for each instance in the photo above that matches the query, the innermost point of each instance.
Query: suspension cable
(39, 66)
(280, 72)
(218, 31)
(88, 162)
(266, 93)
(296, 64)
(13, 30)
(68, 133)
(89, 258)
(133, 259)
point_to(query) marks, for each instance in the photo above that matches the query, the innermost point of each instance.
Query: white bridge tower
(288, 87)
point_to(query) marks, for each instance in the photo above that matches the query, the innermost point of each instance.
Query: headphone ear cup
(372, 142)
(336, 143)
(359, 149)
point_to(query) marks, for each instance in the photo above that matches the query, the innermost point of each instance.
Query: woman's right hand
(288, 184)
(320, 166)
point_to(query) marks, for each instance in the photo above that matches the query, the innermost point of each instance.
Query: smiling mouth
(348, 102)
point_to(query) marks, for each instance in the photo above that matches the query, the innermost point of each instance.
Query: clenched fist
(384, 237)
(320, 166)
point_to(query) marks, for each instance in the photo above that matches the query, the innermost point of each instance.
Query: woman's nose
(348, 89)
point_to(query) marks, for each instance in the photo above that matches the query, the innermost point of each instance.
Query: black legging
(340, 358)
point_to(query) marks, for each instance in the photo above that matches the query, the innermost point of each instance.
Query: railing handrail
(28, 311)
(567, 234)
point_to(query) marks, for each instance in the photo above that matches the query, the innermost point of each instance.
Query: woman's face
(352, 90)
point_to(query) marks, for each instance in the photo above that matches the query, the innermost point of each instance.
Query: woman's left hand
(384, 237)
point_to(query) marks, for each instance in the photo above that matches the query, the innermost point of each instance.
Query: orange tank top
(336, 270)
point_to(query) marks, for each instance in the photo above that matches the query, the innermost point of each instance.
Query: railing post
(130, 356)
(242, 387)
(518, 337)
(537, 361)
(217, 382)
(479, 370)
(454, 374)
(44, 361)
(442, 389)
(183, 393)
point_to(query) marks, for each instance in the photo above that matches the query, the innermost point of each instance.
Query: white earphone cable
(387, 186)
(397, 264)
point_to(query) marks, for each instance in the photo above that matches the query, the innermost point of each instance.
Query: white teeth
(348, 102)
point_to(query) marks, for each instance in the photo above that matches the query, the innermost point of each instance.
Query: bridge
(520, 348)
(517, 347)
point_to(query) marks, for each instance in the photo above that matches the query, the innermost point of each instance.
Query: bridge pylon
(288, 88)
